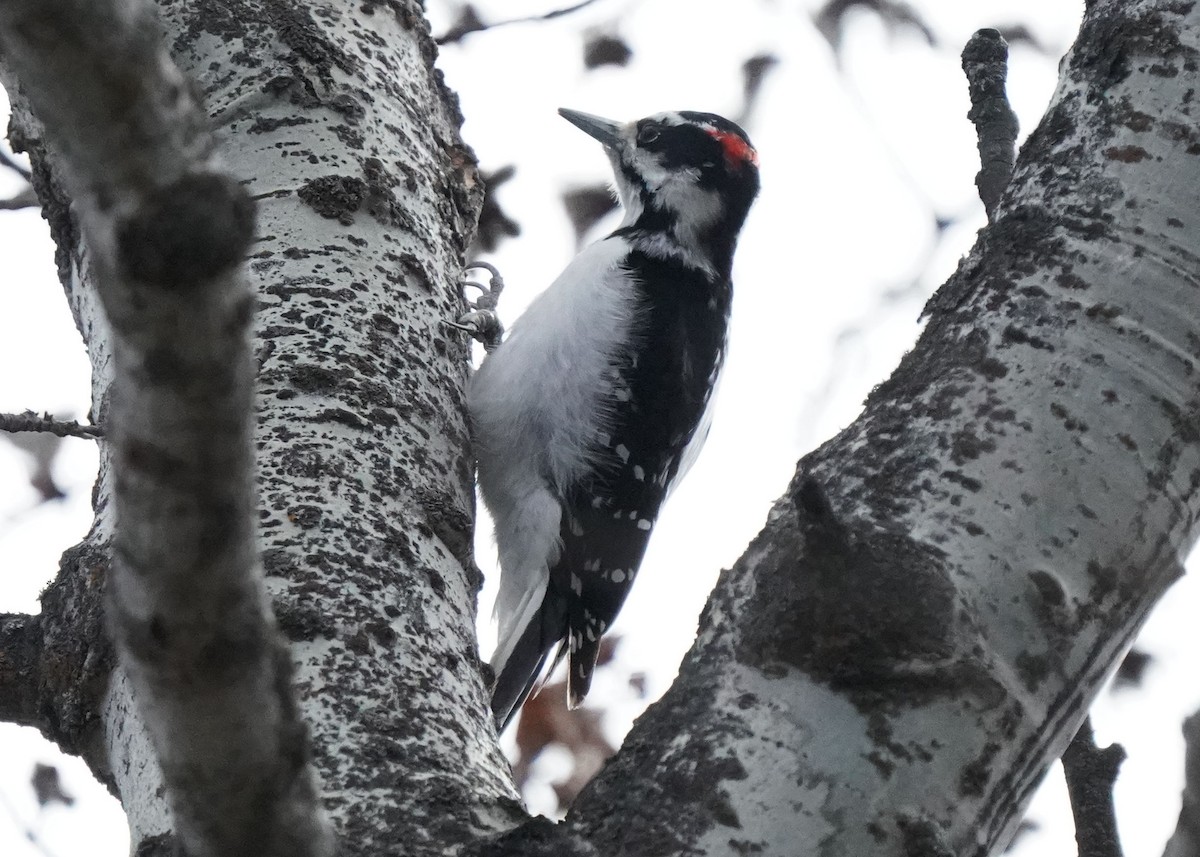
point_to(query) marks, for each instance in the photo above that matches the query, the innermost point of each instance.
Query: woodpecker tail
(525, 660)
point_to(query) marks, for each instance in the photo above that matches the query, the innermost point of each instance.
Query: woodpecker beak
(606, 131)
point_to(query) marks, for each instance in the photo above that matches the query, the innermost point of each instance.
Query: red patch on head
(737, 150)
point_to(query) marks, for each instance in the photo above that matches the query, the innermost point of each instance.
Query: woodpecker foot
(481, 322)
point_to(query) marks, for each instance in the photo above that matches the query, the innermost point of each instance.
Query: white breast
(537, 398)
(538, 417)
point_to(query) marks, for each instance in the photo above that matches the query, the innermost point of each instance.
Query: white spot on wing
(643, 524)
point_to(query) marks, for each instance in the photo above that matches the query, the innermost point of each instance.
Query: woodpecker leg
(481, 321)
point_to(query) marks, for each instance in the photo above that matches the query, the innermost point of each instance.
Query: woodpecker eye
(648, 134)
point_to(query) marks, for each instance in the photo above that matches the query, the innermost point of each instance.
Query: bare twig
(470, 22)
(29, 421)
(1091, 773)
(830, 19)
(985, 62)
(27, 830)
(9, 162)
(24, 198)
(1185, 841)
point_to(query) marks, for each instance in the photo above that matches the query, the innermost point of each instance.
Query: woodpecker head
(689, 174)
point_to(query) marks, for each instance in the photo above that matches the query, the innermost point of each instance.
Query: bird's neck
(695, 243)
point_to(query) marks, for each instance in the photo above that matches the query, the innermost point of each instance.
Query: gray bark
(910, 641)
(367, 199)
(167, 230)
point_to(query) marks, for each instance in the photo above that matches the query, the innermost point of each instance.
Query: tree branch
(1091, 773)
(469, 22)
(169, 230)
(25, 198)
(29, 421)
(20, 671)
(1185, 841)
(8, 162)
(985, 62)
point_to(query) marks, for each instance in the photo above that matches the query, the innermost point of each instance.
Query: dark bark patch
(538, 837)
(1109, 44)
(1015, 335)
(161, 845)
(1032, 670)
(1126, 154)
(966, 446)
(334, 197)
(263, 28)
(339, 198)
(1103, 311)
(303, 621)
(923, 838)
(978, 773)
(862, 608)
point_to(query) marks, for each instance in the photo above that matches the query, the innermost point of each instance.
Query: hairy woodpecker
(596, 404)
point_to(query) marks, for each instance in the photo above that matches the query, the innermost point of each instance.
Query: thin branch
(29, 421)
(24, 198)
(9, 162)
(1091, 772)
(985, 62)
(20, 672)
(27, 831)
(469, 22)
(1185, 841)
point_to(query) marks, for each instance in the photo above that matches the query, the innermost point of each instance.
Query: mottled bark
(168, 230)
(333, 118)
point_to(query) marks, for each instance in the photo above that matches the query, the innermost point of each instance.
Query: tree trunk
(335, 121)
(911, 640)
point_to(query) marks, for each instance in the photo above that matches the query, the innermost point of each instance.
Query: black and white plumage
(597, 403)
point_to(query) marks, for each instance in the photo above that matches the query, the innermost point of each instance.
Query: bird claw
(481, 322)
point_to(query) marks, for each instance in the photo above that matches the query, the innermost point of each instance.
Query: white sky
(854, 165)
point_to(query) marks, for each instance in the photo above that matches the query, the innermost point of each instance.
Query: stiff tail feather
(525, 660)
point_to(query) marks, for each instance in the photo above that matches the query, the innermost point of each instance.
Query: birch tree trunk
(914, 636)
(333, 118)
